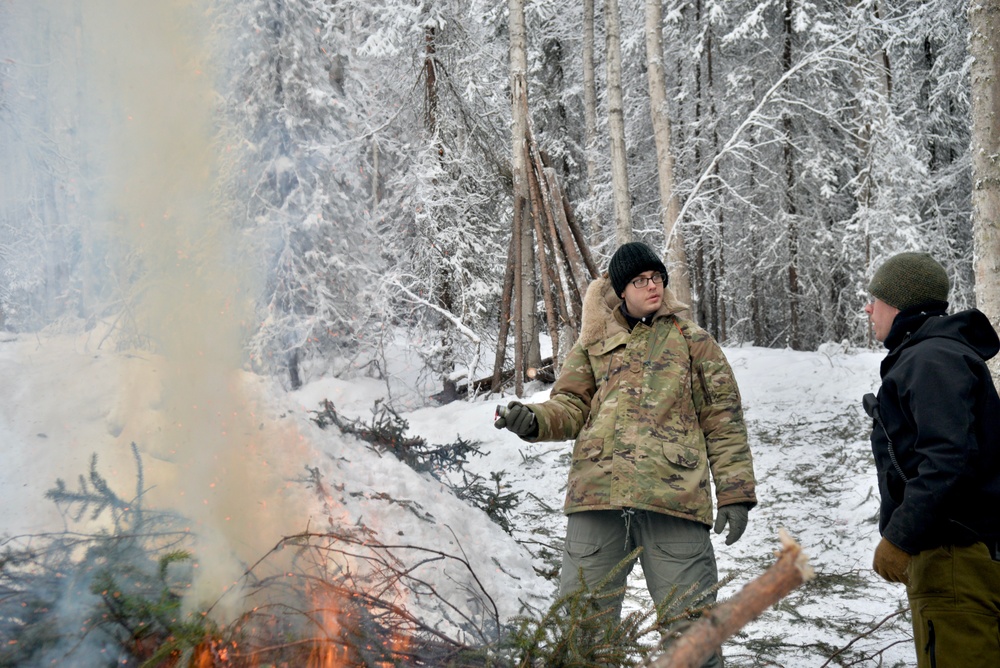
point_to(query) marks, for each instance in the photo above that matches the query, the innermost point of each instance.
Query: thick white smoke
(209, 455)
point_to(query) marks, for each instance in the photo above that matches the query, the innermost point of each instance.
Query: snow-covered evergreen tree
(365, 152)
(297, 176)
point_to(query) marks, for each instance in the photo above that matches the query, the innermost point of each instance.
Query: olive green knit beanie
(910, 279)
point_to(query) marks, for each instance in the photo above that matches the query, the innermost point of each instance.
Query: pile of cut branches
(386, 432)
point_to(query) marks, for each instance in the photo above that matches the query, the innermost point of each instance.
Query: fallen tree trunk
(700, 640)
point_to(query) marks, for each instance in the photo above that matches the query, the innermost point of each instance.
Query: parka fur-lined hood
(601, 316)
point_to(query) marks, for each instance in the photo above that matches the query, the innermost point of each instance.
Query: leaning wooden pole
(520, 298)
(506, 298)
(543, 265)
(552, 242)
(567, 312)
(570, 218)
(704, 637)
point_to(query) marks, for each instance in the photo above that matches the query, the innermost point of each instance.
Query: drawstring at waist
(628, 514)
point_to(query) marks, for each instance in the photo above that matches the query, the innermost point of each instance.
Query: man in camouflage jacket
(653, 406)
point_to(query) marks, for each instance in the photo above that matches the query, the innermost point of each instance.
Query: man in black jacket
(936, 441)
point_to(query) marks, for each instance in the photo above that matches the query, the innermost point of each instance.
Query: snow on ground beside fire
(58, 394)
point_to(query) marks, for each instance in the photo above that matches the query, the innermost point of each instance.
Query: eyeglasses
(643, 281)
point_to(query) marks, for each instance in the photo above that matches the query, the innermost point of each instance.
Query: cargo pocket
(579, 549)
(956, 637)
(681, 539)
(680, 474)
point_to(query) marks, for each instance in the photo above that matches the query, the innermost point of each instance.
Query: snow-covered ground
(64, 396)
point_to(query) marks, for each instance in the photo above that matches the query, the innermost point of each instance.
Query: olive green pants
(676, 555)
(954, 596)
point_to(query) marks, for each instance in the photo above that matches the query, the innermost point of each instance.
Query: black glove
(736, 516)
(519, 419)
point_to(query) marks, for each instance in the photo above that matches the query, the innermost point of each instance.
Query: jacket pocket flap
(589, 448)
(605, 346)
(682, 455)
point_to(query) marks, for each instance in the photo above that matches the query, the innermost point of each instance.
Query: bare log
(550, 310)
(505, 315)
(700, 640)
(558, 287)
(566, 241)
(570, 217)
(552, 242)
(572, 291)
(544, 373)
(495, 384)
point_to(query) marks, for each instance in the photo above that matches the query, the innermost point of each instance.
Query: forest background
(299, 189)
(366, 163)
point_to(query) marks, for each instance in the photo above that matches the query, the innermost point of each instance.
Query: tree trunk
(506, 305)
(984, 47)
(616, 125)
(444, 281)
(702, 240)
(590, 113)
(376, 168)
(430, 78)
(794, 290)
(719, 293)
(542, 205)
(680, 279)
(532, 354)
(523, 277)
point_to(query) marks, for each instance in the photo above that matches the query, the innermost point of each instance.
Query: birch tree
(521, 245)
(680, 281)
(590, 111)
(616, 125)
(984, 47)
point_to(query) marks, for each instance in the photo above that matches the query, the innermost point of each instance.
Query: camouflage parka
(652, 411)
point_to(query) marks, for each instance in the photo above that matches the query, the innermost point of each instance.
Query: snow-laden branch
(450, 317)
(750, 120)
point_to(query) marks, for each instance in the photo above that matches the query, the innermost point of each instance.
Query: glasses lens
(643, 281)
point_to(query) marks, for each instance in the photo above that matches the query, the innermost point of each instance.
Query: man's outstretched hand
(519, 419)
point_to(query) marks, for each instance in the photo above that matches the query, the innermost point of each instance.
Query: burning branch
(351, 592)
(706, 635)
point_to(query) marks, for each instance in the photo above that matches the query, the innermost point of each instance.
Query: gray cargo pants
(676, 553)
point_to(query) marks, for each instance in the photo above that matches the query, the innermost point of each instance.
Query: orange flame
(326, 651)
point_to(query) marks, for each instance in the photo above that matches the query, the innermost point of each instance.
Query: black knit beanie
(910, 279)
(629, 261)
